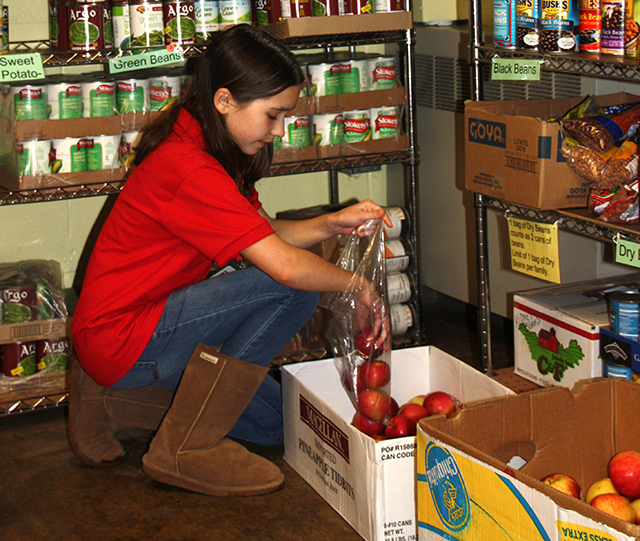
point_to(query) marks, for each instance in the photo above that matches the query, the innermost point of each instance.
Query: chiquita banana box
(478, 474)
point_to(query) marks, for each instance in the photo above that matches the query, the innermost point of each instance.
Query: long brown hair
(252, 65)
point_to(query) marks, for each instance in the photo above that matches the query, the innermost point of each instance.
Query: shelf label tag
(515, 69)
(21, 67)
(150, 59)
(534, 249)
(627, 252)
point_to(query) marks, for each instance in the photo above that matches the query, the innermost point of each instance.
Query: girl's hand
(346, 220)
(370, 314)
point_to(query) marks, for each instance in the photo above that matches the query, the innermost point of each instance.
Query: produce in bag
(361, 328)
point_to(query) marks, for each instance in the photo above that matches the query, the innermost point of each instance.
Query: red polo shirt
(178, 212)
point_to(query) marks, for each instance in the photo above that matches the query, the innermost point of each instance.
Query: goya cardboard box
(513, 151)
(557, 329)
(371, 484)
(478, 474)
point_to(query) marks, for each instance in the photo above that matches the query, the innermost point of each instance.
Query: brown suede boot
(189, 451)
(96, 412)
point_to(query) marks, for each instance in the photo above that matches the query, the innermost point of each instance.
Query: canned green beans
(147, 24)
(29, 102)
(64, 100)
(99, 98)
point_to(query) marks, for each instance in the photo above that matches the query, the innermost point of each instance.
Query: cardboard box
(557, 329)
(371, 484)
(35, 330)
(513, 153)
(478, 473)
(620, 355)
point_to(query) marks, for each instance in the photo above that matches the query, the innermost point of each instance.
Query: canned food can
(296, 132)
(401, 317)
(296, 9)
(631, 31)
(47, 304)
(132, 96)
(357, 126)
(121, 22)
(234, 12)
(86, 27)
(624, 314)
(19, 359)
(358, 7)
(53, 354)
(399, 218)
(29, 102)
(107, 27)
(590, 16)
(4, 30)
(355, 76)
(527, 24)
(33, 157)
(383, 72)
(19, 302)
(102, 152)
(68, 155)
(559, 26)
(164, 92)
(328, 129)
(504, 24)
(398, 288)
(327, 8)
(325, 78)
(388, 6)
(179, 22)
(54, 29)
(62, 19)
(274, 10)
(613, 24)
(396, 257)
(206, 13)
(147, 24)
(127, 152)
(385, 122)
(64, 100)
(98, 99)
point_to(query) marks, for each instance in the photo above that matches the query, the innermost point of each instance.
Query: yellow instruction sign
(534, 249)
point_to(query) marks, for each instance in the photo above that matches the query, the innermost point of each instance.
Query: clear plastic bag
(360, 325)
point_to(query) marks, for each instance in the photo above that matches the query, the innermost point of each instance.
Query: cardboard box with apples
(370, 483)
(479, 473)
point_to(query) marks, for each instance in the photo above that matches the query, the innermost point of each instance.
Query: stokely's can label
(19, 359)
(527, 24)
(328, 129)
(147, 24)
(357, 126)
(68, 155)
(121, 22)
(98, 99)
(325, 78)
(132, 96)
(296, 132)
(64, 100)
(102, 152)
(29, 102)
(206, 14)
(385, 122)
(383, 72)
(19, 302)
(53, 354)
(590, 25)
(179, 22)
(234, 12)
(164, 92)
(355, 76)
(33, 157)
(86, 25)
(559, 21)
(504, 24)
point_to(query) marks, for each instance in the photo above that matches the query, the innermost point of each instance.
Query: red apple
(414, 411)
(418, 399)
(374, 404)
(563, 482)
(439, 402)
(347, 378)
(400, 426)
(615, 505)
(624, 472)
(393, 408)
(369, 427)
(601, 486)
(365, 343)
(374, 374)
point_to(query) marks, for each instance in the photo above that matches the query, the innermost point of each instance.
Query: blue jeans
(251, 316)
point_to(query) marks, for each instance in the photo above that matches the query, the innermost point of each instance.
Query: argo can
(29, 102)
(33, 157)
(68, 155)
(296, 8)
(64, 100)
(401, 316)
(354, 76)
(86, 26)
(179, 22)
(385, 122)
(234, 12)
(624, 314)
(164, 92)
(121, 22)
(559, 26)
(590, 25)
(327, 8)
(358, 7)
(504, 24)
(53, 354)
(357, 126)
(132, 96)
(527, 24)
(54, 29)
(206, 13)
(383, 72)
(102, 152)
(62, 19)
(19, 301)
(147, 23)
(328, 129)
(98, 98)
(19, 359)
(325, 78)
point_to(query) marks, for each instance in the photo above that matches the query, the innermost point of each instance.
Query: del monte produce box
(370, 483)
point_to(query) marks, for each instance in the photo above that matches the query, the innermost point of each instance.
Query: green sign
(21, 67)
(150, 59)
(515, 69)
(627, 252)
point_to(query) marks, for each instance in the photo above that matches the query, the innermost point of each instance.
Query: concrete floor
(46, 493)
